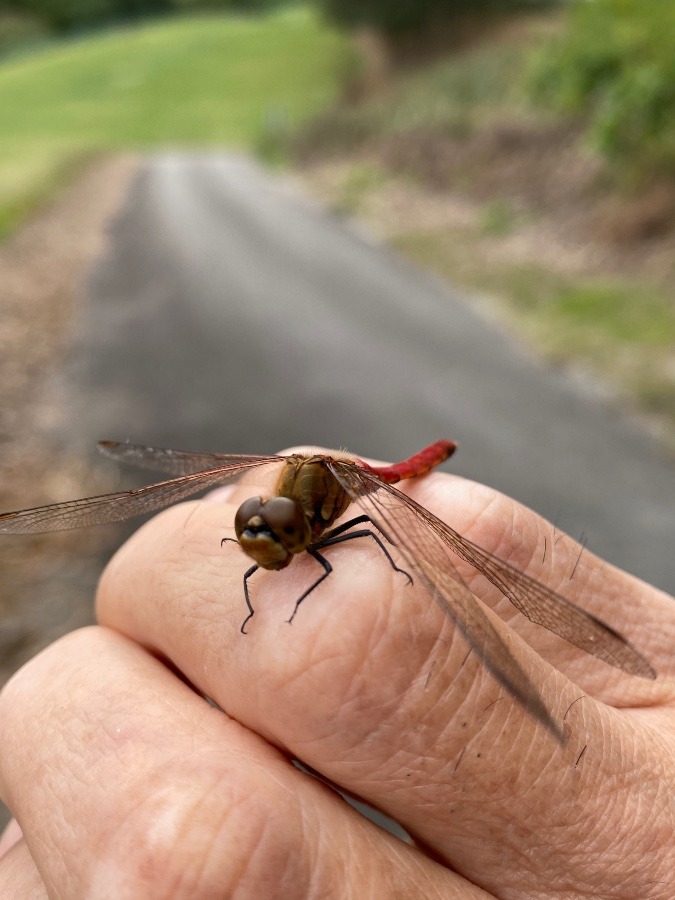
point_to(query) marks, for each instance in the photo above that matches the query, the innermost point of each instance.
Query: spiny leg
(251, 611)
(328, 569)
(247, 575)
(336, 536)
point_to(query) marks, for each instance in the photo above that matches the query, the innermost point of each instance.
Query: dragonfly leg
(247, 575)
(327, 570)
(357, 520)
(336, 536)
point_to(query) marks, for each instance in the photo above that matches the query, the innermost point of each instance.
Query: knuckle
(232, 835)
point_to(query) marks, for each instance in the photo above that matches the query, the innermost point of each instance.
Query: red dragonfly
(312, 492)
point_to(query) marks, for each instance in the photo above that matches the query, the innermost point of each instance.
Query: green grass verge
(190, 82)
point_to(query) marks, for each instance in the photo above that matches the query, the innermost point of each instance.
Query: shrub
(401, 16)
(616, 66)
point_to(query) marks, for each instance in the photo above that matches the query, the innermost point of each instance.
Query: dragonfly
(313, 491)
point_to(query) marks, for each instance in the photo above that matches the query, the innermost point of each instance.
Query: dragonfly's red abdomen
(416, 465)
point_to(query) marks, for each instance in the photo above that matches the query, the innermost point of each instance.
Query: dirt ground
(43, 269)
(563, 211)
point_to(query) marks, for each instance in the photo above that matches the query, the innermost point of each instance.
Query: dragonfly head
(272, 531)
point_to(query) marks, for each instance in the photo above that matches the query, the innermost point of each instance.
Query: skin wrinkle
(188, 876)
(226, 815)
(356, 862)
(338, 869)
(225, 819)
(20, 875)
(377, 735)
(277, 857)
(313, 828)
(286, 685)
(659, 783)
(506, 547)
(47, 775)
(610, 797)
(378, 635)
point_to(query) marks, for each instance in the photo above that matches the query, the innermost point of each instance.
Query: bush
(64, 15)
(396, 17)
(616, 66)
(61, 15)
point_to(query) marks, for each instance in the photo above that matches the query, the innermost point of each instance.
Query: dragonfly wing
(425, 551)
(174, 462)
(559, 615)
(538, 603)
(122, 505)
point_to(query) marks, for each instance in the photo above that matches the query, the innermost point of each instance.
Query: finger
(374, 689)
(19, 877)
(127, 783)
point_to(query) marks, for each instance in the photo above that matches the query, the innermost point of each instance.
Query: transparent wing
(175, 462)
(424, 541)
(125, 504)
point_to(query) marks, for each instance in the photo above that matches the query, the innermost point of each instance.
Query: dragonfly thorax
(309, 481)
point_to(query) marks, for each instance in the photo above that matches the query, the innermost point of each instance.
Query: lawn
(191, 82)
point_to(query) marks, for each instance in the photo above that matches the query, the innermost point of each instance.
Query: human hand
(128, 784)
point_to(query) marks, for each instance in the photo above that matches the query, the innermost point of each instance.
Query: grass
(190, 82)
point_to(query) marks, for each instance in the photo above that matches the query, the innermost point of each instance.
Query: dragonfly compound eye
(271, 532)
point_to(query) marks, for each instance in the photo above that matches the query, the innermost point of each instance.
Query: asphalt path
(231, 313)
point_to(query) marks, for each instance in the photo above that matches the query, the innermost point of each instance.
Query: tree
(399, 17)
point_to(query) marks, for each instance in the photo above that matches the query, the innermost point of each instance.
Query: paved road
(231, 314)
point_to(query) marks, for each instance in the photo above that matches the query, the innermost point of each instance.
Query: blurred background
(239, 226)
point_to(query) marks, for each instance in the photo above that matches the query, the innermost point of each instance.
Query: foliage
(63, 15)
(401, 16)
(454, 96)
(616, 65)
